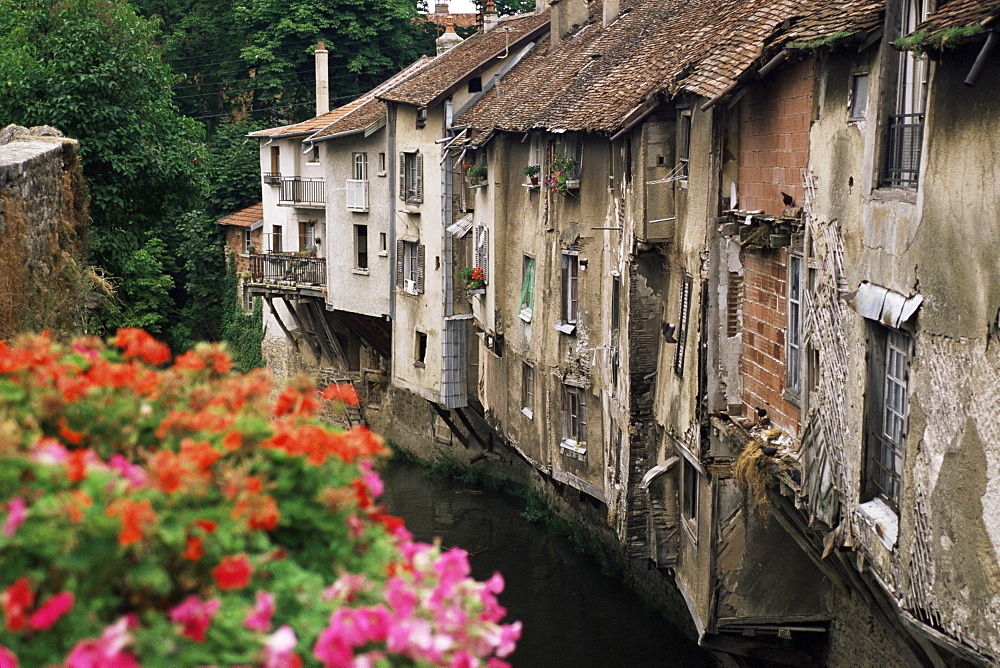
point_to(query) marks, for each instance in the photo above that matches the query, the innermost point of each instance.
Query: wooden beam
(302, 327)
(472, 432)
(334, 343)
(277, 318)
(451, 425)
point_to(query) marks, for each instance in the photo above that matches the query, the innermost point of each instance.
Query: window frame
(361, 249)
(574, 417)
(684, 124)
(312, 156)
(887, 407)
(569, 303)
(359, 166)
(420, 349)
(527, 288)
(690, 482)
(247, 239)
(794, 329)
(857, 109)
(527, 389)
(411, 177)
(410, 258)
(277, 239)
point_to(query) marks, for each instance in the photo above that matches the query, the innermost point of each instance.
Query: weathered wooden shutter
(418, 177)
(402, 176)
(482, 250)
(420, 269)
(583, 415)
(400, 259)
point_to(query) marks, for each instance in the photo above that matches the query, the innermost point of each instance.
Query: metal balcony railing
(357, 194)
(282, 268)
(902, 163)
(302, 191)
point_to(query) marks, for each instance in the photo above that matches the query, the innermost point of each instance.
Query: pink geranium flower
(195, 615)
(259, 618)
(134, 474)
(49, 612)
(279, 649)
(105, 652)
(7, 658)
(17, 513)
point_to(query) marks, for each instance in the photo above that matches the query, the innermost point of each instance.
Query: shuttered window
(574, 414)
(410, 267)
(682, 325)
(411, 178)
(482, 251)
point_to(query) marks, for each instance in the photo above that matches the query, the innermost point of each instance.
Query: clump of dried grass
(751, 471)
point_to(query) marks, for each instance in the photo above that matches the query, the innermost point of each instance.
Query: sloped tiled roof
(960, 14)
(371, 109)
(754, 27)
(448, 69)
(595, 79)
(352, 109)
(244, 217)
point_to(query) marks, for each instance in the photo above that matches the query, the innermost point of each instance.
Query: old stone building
(720, 275)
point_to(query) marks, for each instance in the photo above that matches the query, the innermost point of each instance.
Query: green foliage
(243, 333)
(92, 68)
(201, 275)
(508, 7)
(937, 41)
(233, 167)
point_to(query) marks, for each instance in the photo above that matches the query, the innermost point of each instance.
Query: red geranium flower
(16, 601)
(138, 343)
(233, 572)
(136, 516)
(195, 549)
(341, 392)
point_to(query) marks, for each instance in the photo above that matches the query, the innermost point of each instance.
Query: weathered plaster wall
(938, 241)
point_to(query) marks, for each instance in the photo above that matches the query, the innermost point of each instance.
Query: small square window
(381, 164)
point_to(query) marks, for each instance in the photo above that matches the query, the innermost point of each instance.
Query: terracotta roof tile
(331, 117)
(960, 14)
(461, 20)
(596, 78)
(448, 69)
(244, 217)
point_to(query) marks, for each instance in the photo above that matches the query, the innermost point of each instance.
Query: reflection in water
(573, 615)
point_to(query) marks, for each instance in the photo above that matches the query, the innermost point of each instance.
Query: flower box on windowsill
(572, 184)
(480, 184)
(531, 186)
(476, 291)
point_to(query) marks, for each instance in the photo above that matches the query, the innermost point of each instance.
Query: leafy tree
(233, 167)
(93, 69)
(508, 7)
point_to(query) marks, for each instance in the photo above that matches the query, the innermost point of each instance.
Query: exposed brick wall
(234, 245)
(762, 364)
(774, 138)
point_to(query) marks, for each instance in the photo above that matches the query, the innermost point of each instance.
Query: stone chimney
(322, 79)
(612, 8)
(490, 16)
(441, 8)
(450, 38)
(566, 16)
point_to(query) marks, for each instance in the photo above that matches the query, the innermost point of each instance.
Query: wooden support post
(277, 318)
(306, 334)
(472, 432)
(451, 425)
(334, 343)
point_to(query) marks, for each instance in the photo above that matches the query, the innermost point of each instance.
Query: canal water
(573, 614)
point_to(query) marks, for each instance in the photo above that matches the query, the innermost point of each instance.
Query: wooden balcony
(282, 272)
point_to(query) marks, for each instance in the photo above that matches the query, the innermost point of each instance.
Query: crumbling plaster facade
(936, 241)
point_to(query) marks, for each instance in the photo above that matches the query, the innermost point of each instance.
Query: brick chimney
(441, 8)
(566, 16)
(450, 38)
(322, 79)
(490, 16)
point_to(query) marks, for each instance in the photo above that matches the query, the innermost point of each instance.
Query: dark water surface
(573, 615)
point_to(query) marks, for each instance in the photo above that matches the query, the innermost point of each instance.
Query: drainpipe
(322, 79)
(984, 54)
(391, 168)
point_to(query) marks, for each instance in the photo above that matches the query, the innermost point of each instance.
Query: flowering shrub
(561, 170)
(166, 512)
(474, 278)
(474, 172)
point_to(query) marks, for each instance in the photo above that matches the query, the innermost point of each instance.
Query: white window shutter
(402, 176)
